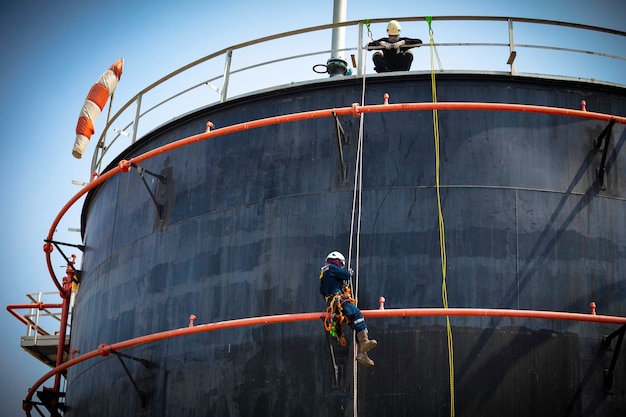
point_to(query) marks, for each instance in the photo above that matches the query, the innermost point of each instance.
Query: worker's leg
(380, 63)
(355, 317)
(405, 61)
(357, 322)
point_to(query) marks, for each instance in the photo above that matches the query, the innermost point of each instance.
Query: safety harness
(334, 319)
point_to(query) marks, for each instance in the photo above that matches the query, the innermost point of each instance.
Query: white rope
(357, 195)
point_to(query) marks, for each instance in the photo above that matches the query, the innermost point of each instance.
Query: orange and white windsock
(96, 99)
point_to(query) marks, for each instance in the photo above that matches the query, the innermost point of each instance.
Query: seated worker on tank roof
(396, 55)
(334, 282)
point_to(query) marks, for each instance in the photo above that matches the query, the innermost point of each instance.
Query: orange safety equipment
(334, 319)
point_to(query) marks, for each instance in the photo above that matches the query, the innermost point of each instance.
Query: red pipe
(104, 349)
(65, 310)
(354, 110)
(48, 247)
(491, 312)
(40, 306)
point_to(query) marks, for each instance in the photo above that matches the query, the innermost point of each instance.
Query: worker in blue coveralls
(334, 282)
(396, 55)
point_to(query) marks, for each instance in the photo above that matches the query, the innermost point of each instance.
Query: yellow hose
(442, 235)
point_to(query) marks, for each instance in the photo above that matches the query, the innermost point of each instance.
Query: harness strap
(334, 319)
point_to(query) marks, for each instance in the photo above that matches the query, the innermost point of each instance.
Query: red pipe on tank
(104, 349)
(354, 110)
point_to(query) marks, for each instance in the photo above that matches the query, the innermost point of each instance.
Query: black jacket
(333, 279)
(408, 44)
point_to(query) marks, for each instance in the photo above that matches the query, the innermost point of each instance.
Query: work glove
(387, 45)
(398, 44)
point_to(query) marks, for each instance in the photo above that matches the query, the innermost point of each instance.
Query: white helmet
(337, 255)
(393, 28)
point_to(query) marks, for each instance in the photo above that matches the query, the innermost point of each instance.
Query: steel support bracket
(143, 398)
(607, 343)
(511, 59)
(161, 178)
(56, 244)
(341, 139)
(597, 145)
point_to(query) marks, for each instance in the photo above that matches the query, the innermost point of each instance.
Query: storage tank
(237, 226)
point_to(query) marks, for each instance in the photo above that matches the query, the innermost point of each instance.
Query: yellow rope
(442, 234)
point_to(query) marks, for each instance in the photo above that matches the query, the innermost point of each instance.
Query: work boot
(365, 345)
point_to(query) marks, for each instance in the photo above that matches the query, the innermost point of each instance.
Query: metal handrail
(225, 72)
(105, 349)
(37, 310)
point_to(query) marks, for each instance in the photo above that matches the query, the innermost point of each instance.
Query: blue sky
(52, 52)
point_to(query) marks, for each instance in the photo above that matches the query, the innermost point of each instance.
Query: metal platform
(45, 348)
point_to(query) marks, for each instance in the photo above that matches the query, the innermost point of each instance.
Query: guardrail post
(359, 51)
(229, 58)
(36, 326)
(137, 116)
(512, 52)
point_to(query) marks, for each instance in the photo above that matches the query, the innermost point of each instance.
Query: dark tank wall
(248, 218)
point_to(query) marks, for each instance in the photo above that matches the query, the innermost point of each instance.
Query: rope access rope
(442, 235)
(357, 194)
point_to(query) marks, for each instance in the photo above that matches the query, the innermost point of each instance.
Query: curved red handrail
(104, 349)
(354, 110)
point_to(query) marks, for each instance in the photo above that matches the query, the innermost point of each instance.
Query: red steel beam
(104, 349)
